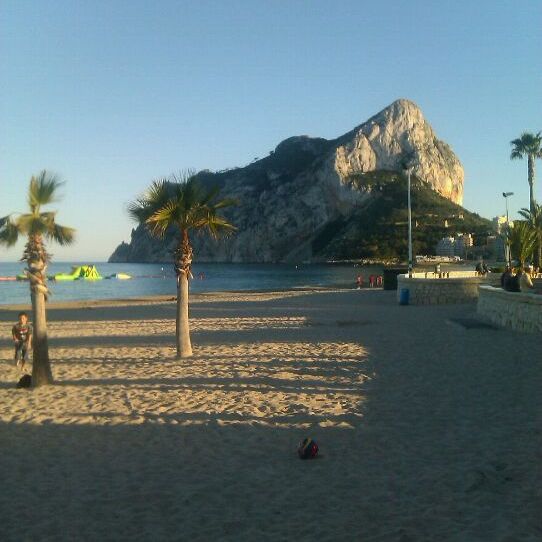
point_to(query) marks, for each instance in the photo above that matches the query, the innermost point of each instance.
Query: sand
(429, 424)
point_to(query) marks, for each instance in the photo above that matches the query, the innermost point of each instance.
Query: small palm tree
(529, 145)
(180, 202)
(522, 241)
(534, 219)
(37, 225)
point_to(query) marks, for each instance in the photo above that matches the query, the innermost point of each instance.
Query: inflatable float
(120, 276)
(79, 272)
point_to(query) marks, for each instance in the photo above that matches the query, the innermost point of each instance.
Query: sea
(159, 279)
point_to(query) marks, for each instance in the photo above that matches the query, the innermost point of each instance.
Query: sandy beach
(429, 423)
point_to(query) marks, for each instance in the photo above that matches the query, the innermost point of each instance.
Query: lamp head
(506, 194)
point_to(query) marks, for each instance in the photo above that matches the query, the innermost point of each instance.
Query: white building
(499, 222)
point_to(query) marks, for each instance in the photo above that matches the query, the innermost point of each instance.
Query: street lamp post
(409, 173)
(507, 256)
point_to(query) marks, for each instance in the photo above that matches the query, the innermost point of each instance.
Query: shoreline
(164, 299)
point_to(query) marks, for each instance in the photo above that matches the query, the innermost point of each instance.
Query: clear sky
(111, 94)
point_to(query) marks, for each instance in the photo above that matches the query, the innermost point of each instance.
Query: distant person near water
(359, 282)
(22, 339)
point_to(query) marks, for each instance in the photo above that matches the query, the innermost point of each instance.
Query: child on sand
(22, 338)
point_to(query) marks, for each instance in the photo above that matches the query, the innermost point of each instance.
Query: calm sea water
(159, 279)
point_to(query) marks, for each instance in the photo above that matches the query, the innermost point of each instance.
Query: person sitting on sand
(22, 338)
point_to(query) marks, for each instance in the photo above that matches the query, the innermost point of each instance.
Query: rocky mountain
(290, 198)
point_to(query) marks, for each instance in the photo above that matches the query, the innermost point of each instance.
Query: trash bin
(404, 296)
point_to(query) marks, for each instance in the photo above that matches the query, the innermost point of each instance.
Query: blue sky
(112, 94)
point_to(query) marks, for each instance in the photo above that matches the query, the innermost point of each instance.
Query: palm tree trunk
(183, 264)
(184, 346)
(531, 174)
(41, 366)
(36, 257)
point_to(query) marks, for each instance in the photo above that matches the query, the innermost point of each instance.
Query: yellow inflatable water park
(79, 272)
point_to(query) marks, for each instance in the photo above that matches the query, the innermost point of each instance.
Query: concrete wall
(459, 288)
(519, 311)
(451, 274)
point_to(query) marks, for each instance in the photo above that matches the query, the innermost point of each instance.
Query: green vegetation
(534, 220)
(379, 227)
(529, 145)
(37, 225)
(522, 238)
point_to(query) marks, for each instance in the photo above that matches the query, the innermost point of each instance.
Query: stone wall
(519, 311)
(459, 288)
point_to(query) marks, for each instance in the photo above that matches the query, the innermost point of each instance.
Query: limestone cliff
(288, 198)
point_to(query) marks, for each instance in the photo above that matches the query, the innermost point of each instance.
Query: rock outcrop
(289, 197)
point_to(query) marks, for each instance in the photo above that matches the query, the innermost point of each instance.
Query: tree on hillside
(529, 145)
(37, 225)
(522, 239)
(534, 219)
(180, 202)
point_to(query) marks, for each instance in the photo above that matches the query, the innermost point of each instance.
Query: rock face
(288, 198)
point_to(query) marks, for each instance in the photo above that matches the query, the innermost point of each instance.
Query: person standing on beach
(22, 338)
(359, 282)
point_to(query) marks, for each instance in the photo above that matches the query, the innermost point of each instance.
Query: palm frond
(522, 238)
(9, 232)
(181, 202)
(32, 224)
(226, 202)
(525, 213)
(153, 199)
(63, 235)
(211, 194)
(218, 226)
(159, 222)
(43, 189)
(189, 194)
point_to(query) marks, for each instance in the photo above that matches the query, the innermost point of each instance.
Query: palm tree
(529, 145)
(534, 219)
(37, 225)
(522, 239)
(180, 202)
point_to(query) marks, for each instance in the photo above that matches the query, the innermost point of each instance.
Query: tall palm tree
(522, 239)
(37, 225)
(180, 202)
(529, 145)
(534, 219)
